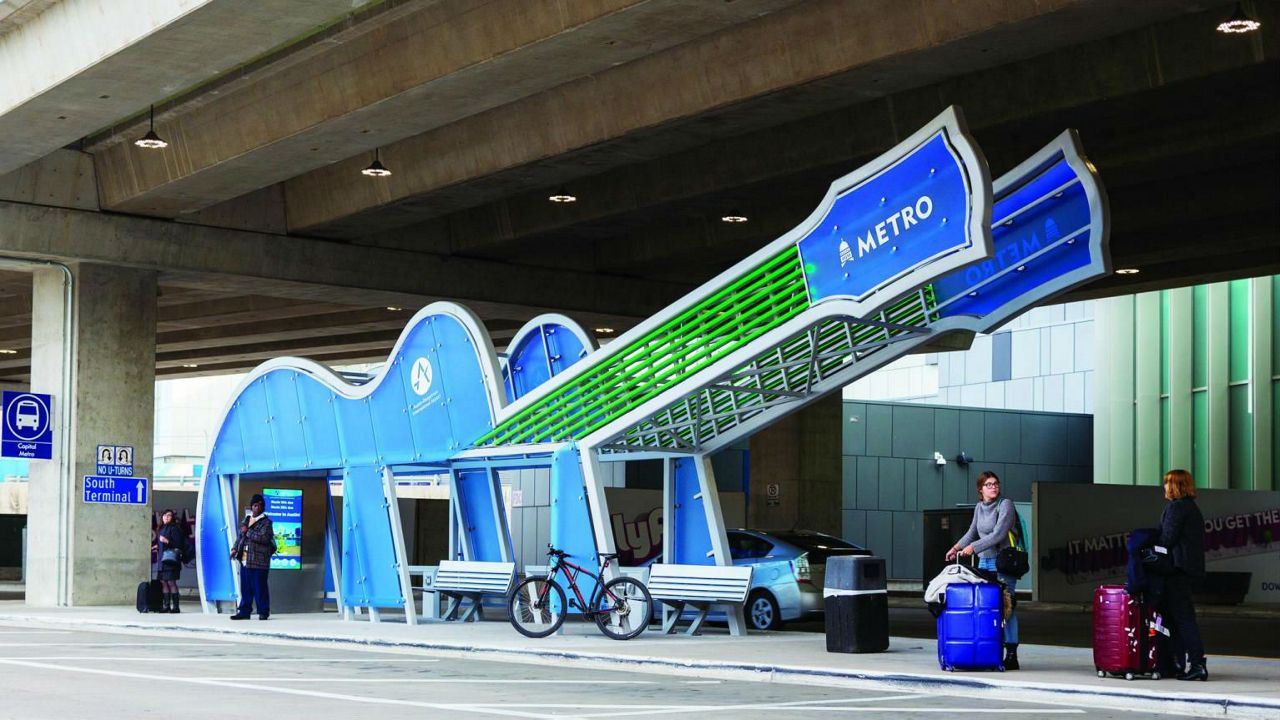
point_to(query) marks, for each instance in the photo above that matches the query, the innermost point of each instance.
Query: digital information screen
(284, 507)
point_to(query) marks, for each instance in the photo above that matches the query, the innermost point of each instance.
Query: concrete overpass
(254, 234)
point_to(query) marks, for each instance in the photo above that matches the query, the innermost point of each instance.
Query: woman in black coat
(1182, 534)
(171, 544)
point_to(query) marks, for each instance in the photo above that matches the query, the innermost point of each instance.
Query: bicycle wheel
(536, 607)
(623, 608)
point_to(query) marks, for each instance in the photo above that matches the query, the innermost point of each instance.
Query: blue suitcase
(970, 633)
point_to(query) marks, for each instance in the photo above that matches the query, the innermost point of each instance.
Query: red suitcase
(1124, 630)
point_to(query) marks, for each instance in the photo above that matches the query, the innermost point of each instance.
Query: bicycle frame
(571, 575)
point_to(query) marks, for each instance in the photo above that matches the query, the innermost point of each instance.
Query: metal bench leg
(473, 611)
(695, 627)
(451, 608)
(737, 623)
(670, 621)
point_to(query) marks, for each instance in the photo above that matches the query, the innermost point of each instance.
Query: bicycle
(621, 607)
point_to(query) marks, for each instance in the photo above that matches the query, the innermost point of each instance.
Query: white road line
(702, 682)
(224, 659)
(286, 691)
(34, 632)
(616, 710)
(439, 681)
(121, 644)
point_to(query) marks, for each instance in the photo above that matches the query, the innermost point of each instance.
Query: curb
(1192, 704)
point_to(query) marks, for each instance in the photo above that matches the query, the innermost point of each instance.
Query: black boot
(164, 603)
(1196, 671)
(173, 604)
(1011, 656)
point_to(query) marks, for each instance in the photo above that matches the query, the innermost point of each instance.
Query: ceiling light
(394, 308)
(1127, 271)
(562, 196)
(376, 168)
(190, 365)
(7, 351)
(1238, 23)
(733, 218)
(604, 331)
(151, 141)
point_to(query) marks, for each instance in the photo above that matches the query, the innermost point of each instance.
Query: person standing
(171, 544)
(254, 547)
(1182, 535)
(993, 519)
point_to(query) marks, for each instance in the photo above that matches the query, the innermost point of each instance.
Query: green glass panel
(1239, 439)
(1238, 354)
(1166, 454)
(1275, 328)
(1164, 343)
(1275, 435)
(1199, 336)
(1200, 438)
(760, 300)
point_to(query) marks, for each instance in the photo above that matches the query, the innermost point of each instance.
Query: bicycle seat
(608, 556)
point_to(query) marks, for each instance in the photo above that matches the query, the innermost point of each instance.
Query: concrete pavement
(1239, 687)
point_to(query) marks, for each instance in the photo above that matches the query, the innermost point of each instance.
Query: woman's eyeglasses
(990, 483)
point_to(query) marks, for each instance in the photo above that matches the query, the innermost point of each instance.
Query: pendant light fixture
(1239, 22)
(151, 141)
(376, 168)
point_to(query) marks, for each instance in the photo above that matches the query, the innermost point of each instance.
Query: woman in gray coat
(994, 518)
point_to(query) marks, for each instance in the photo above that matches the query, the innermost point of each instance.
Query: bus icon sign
(27, 430)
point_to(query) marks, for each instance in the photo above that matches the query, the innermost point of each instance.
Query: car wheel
(763, 612)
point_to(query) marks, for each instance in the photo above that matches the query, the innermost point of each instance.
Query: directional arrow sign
(115, 490)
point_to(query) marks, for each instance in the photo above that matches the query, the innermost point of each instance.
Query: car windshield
(820, 546)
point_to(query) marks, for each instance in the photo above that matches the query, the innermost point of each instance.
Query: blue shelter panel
(466, 398)
(571, 529)
(448, 403)
(691, 537)
(392, 435)
(227, 455)
(251, 414)
(527, 366)
(370, 575)
(566, 347)
(478, 496)
(285, 419)
(320, 424)
(211, 542)
(355, 428)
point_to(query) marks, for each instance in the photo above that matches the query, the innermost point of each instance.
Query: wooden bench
(460, 580)
(700, 587)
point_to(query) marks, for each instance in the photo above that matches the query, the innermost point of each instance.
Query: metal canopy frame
(783, 376)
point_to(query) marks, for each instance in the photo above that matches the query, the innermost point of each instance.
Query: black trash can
(856, 601)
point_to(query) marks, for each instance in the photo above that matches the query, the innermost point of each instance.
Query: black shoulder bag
(1013, 560)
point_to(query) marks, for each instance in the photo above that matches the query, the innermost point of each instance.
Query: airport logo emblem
(420, 376)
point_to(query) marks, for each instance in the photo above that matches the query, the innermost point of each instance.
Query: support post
(397, 541)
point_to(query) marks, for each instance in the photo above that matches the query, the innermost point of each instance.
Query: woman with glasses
(994, 518)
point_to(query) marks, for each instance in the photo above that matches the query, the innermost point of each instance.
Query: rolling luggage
(971, 628)
(1124, 631)
(151, 592)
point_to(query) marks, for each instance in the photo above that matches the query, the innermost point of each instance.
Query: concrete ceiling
(660, 115)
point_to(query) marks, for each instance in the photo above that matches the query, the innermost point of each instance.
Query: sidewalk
(1239, 688)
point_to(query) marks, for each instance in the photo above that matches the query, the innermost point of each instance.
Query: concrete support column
(801, 454)
(78, 553)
